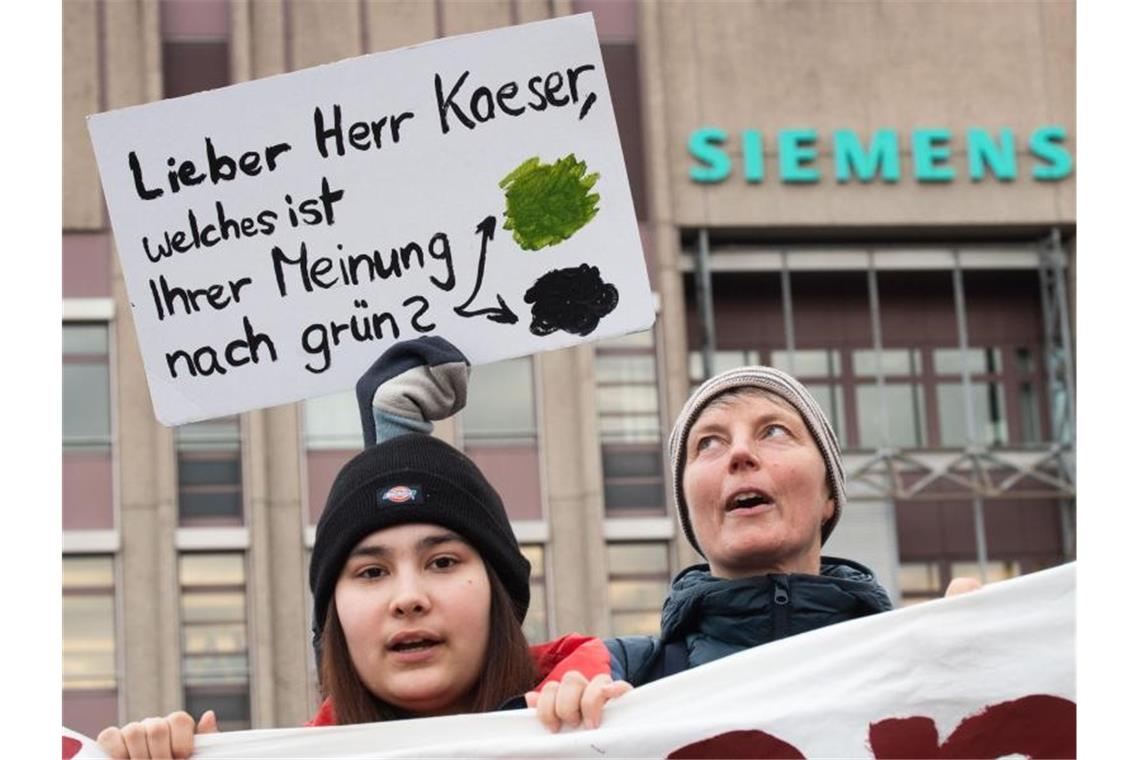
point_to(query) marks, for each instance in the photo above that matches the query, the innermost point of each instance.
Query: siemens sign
(801, 157)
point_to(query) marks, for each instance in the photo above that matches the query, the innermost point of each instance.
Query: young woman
(419, 592)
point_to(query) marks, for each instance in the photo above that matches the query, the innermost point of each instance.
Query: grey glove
(411, 384)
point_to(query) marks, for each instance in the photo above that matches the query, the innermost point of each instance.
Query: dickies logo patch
(401, 495)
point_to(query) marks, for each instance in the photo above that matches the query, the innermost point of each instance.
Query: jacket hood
(744, 612)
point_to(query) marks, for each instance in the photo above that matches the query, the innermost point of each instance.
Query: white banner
(277, 235)
(987, 674)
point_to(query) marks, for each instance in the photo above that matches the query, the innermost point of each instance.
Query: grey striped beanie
(786, 387)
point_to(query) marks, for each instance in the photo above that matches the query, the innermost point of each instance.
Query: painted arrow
(501, 313)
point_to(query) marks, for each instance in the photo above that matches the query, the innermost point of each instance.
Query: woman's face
(756, 487)
(414, 602)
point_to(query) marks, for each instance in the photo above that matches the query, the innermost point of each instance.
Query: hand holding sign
(171, 736)
(277, 235)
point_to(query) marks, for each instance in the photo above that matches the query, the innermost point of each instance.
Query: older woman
(759, 486)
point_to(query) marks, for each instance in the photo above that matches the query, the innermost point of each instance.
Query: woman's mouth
(414, 646)
(747, 500)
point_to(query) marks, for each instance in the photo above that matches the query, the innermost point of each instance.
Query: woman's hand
(963, 585)
(575, 701)
(169, 737)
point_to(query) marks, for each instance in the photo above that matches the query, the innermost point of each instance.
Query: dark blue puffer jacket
(716, 617)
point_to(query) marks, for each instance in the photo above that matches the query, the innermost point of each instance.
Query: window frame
(654, 351)
(193, 588)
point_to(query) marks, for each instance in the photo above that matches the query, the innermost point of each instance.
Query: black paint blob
(573, 299)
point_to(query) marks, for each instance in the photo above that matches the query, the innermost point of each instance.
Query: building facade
(878, 197)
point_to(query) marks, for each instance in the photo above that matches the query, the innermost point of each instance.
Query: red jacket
(553, 660)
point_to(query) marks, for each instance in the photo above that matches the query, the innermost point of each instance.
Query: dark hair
(507, 672)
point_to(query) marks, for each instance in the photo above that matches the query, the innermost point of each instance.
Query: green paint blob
(547, 203)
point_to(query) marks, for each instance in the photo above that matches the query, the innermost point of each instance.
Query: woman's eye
(442, 563)
(372, 572)
(705, 442)
(775, 430)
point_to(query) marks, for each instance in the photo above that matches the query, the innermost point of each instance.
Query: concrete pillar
(278, 634)
(394, 24)
(241, 39)
(82, 200)
(562, 7)
(148, 508)
(271, 464)
(466, 16)
(532, 10)
(261, 568)
(671, 331)
(290, 576)
(324, 32)
(572, 466)
(132, 53)
(268, 50)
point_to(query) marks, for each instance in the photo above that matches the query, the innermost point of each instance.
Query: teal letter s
(1047, 144)
(703, 147)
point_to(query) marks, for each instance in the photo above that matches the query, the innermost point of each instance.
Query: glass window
(626, 368)
(500, 403)
(214, 569)
(1028, 397)
(630, 427)
(86, 387)
(88, 623)
(830, 399)
(209, 472)
(88, 572)
(638, 583)
(987, 398)
(535, 626)
(195, 46)
(1029, 405)
(639, 497)
(1025, 363)
(643, 339)
(979, 361)
(989, 414)
(332, 422)
(722, 361)
(919, 582)
(804, 364)
(895, 361)
(638, 558)
(900, 406)
(632, 463)
(635, 399)
(629, 424)
(85, 339)
(905, 416)
(221, 434)
(215, 652)
(815, 368)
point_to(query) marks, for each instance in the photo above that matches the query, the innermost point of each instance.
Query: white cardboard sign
(276, 236)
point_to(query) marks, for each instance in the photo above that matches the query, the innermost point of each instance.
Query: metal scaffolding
(977, 471)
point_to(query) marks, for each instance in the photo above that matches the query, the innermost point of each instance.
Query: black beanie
(413, 478)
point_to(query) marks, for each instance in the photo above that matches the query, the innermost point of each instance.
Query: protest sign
(276, 236)
(986, 674)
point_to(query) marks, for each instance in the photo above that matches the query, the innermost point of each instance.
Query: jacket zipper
(780, 606)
